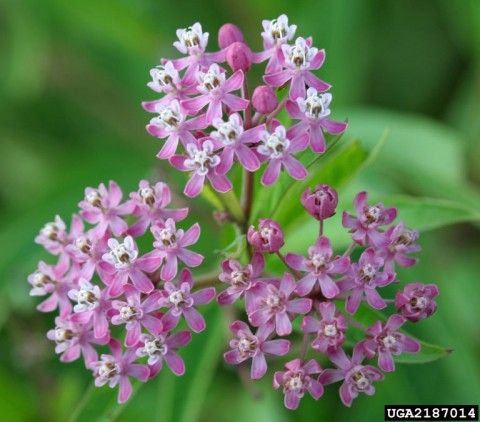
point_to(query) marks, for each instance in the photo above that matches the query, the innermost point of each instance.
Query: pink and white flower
(299, 60)
(202, 162)
(313, 112)
(296, 380)
(117, 368)
(278, 149)
(246, 346)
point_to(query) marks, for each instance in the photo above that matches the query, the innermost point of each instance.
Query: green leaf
(429, 213)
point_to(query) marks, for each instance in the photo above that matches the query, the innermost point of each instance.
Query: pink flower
(165, 79)
(275, 305)
(171, 123)
(54, 236)
(171, 245)
(86, 251)
(125, 265)
(239, 56)
(296, 380)
(417, 301)
(181, 301)
(321, 203)
(330, 330)
(268, 238)
(264, 99)
(202, 162)
(215, 90)
(150, 207)
(162, 347)
(387, 341)
(401, 241)
(235, 143)
(134, 314)
(299, 60)
(364, 227)
(357, 378)
(228, 34)
(313, 112)
(93, 305)
(243, 281)
(73, 339)
(363, 279)
(102, 207)
(320, 266)
(53, 281)
(115, 369)
(193, 41)
(276, 33)
(245, 346)
(279, 149)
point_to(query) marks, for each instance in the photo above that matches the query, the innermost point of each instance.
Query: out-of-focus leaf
(430, 213)
(335, 172)
(423, 156)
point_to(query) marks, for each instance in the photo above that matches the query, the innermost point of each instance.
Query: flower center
(319, 261)
(389, 341)
(169, 118)
(176, 298)
(247, 345)
(278, 29)
(274, 146)
(190, 38)
(167, 237)
(210, 80)
(62, 335)
(296, 382)
(83, 244)
(239, 278)
(155, 347)
(148, 195)
(50, 231)
(330, 330)
(406, 238)
(122, 256)
(94, 198)
(128, 313)
(360, 381)
(228, 132)
(274, 301)
(41, 280)
(372, 214)
(108, 370)
(162, 77)
(201, 159)
(300, 54)
(419, 302)
(367, 272)
(86, 297)
(315, 107)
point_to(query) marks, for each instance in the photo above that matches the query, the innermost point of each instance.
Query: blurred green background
(72, 76)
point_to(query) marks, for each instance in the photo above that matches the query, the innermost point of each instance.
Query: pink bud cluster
(107, 291)
(308, 293)
(201, 101)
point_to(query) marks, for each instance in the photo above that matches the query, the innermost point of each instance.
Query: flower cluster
(201, 101)
(309, 292)
(106, 291)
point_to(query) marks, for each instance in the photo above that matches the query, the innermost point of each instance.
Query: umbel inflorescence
(127, 311)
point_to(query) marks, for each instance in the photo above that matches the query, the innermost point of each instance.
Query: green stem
(82, 403)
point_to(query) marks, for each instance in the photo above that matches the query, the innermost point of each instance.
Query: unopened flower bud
(239, 56)
(321, 203)
(268, 238)
(228, 34)
(264, 99)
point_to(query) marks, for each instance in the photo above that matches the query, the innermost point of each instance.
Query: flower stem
(321, 228)
(276, 111)
(82, 403)
(350, 249)
(294, 271)
(248, 190)
(305, 342)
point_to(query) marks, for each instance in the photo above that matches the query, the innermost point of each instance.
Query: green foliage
(73, 76)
